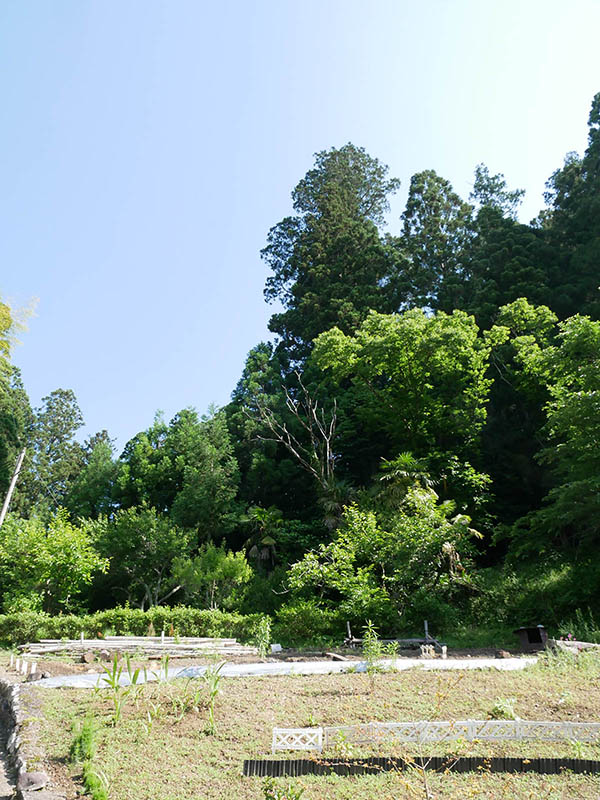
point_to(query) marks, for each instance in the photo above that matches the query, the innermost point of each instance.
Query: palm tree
(261, 545)
(401, 474)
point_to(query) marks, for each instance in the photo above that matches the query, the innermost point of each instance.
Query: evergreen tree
(330, 264)
(573, 227)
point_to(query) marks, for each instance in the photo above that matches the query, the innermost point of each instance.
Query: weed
(372, 646)
(372, 650)
(188, 700)
(95, 782)
(212, 678)
(311, 722)
(503, 708)
(342, 747)
(391, 650)
(263, 636)
(578, 748)
(83, 750)
(565, 699)
(273, 792)
(584, 626)
(83, 746)
(586, 662)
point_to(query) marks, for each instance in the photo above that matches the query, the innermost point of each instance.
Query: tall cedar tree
(330, 264)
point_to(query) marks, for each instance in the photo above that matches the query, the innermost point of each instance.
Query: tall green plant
(118, 692)
(212, 678)
(372, 651)
(263, 636)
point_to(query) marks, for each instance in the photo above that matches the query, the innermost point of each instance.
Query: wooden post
(13, 483)
(426, 631)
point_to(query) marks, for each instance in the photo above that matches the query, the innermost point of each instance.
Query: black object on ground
(532, 638)
(292, 768)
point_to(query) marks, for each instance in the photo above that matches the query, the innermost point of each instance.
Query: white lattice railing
(297, 739)
(420, 732)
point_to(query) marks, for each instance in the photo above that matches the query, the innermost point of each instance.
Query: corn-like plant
(153, 712)
(118, 693)
(212, 678)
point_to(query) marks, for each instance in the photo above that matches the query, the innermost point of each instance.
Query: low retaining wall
(29, 785)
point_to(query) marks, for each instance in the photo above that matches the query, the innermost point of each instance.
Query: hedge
(30, 626)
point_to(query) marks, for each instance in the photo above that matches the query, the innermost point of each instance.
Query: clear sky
(149, 145)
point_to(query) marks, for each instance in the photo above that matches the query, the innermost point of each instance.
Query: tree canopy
(418, 378)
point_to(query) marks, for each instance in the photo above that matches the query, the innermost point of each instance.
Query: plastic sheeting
(94, 680)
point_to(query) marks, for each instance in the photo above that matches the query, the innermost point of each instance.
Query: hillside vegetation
(419, 439)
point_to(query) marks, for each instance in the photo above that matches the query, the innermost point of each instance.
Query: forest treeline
(420, 439)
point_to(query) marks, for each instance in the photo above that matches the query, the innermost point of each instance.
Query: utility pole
(13, 483)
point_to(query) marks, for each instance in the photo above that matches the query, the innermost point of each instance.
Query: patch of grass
(480, 637)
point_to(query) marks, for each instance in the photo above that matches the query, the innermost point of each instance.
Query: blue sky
(149, 145)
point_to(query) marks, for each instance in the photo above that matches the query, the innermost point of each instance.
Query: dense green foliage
(420, 380)
(27, 626)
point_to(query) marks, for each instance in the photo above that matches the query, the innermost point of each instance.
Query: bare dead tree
(317, 457)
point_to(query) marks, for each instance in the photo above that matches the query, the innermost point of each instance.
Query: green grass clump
(83, 746)
(82, 751)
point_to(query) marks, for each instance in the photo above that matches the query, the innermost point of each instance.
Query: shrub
(28, 626)
(304, 622)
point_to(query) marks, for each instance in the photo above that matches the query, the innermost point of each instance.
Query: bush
(425, 605)
(304, 622)
(264, 592)
(28, 626)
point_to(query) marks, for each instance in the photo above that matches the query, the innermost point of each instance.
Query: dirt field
(160, 749)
